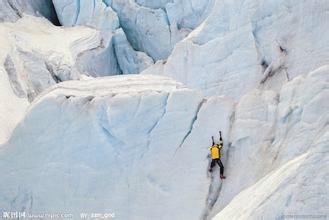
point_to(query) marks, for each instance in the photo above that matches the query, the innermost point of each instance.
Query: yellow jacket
(215, 151)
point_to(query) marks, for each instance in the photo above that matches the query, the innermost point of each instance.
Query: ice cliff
(116, 55)
(76, 139)
(239, 41)
(112, 144)
(12, 10)
(279, 148)
(150, 30)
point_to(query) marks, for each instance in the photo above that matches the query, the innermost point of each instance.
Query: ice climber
(215, 156)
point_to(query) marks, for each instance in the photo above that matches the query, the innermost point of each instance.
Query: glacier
(151, 28)
(155, 28)
(285, 126)
(12, 10)
(129, 60)
(111, 161)
(29, 64)
(231, 50)
(108, 106)
(121, 144)
(112, 57)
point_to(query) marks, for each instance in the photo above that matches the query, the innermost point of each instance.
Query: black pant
(220, 164)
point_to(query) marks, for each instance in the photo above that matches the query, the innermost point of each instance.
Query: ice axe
(213, 141)
(220, 136)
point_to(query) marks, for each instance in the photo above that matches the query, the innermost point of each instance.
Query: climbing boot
(209, 173)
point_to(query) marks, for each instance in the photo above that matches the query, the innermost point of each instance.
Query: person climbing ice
(215, 155)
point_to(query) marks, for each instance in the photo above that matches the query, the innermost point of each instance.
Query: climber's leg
(212, 164)
(221, 166)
